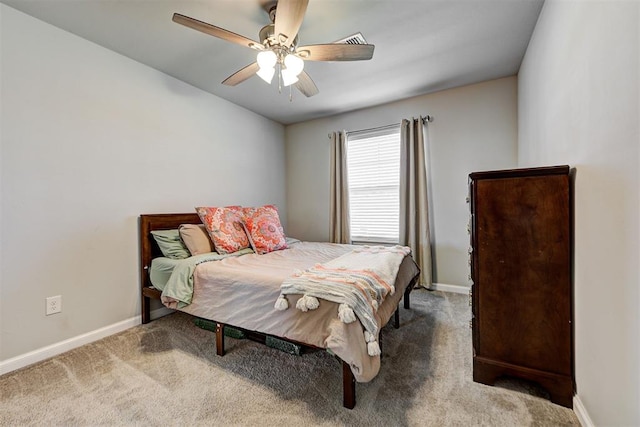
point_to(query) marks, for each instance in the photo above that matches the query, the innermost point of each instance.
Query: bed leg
(396, 318)
(146, 310)
(407, 298)
(407, 291)
(220, 339)
(348, 387)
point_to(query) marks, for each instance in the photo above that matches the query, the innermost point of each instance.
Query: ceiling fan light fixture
(267, 59)
(294, 64)
(266, 74)
(288, 77)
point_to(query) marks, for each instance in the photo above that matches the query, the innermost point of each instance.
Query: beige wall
(475, 128)
(89, 141)
(578, 105)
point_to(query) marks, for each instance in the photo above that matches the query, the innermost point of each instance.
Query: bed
(231, 293)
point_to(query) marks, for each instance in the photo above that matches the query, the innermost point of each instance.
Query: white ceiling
(421, 46)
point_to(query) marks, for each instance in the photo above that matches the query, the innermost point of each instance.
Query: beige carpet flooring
(167, 373)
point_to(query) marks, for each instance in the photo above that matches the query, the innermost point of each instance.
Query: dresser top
(522, 172)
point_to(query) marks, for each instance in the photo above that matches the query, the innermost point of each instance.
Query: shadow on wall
(453, 260)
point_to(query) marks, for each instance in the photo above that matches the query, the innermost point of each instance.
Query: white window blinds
(373, 175)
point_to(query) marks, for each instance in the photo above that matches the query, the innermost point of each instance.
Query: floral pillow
(264, 229)
(224, 225)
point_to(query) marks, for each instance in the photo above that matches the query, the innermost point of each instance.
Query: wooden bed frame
(149, 250)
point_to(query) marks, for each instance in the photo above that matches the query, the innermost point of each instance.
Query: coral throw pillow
(264, 229)
(224, 226)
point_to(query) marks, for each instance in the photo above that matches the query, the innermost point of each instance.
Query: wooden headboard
(149, 249)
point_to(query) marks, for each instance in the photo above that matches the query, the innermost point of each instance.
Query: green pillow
(170, 244)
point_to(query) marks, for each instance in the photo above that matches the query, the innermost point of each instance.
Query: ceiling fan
(278, 47)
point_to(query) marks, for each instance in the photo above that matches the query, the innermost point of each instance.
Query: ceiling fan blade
(212, 30)
(306, 85)
(241, 75)
(336, 52)
(289, 16)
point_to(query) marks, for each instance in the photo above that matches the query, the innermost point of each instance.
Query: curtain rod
(425, 119)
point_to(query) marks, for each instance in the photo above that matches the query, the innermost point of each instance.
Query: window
(373, 175)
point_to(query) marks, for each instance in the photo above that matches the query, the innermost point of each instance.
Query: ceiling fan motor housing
(268, 37)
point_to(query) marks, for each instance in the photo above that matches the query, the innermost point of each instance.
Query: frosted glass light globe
(294, 64)
(288, 77)
(267, 59)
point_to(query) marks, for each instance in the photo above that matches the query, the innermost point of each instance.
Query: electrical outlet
(54, 305)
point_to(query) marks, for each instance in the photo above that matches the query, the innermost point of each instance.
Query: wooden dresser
(521, 293)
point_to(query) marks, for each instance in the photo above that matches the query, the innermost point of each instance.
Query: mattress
(241, 291)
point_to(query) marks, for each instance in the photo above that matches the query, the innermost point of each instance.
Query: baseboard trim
(44, 353)
(581, 413)
(456, 289)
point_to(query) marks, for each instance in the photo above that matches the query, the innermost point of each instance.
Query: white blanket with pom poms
(358, 281)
